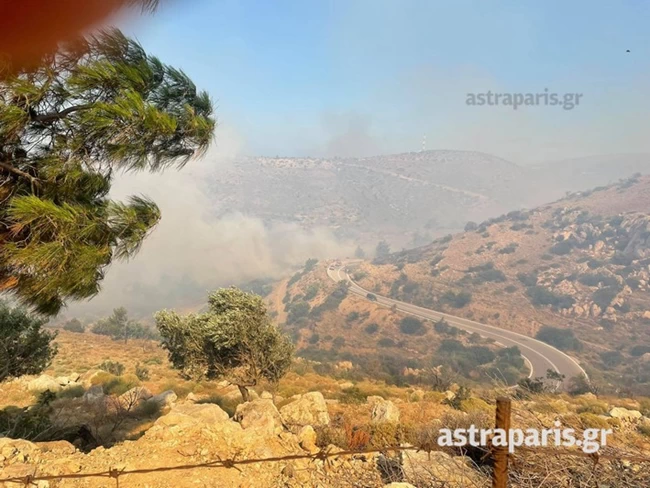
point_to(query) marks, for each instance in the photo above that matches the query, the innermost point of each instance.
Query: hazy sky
(355, 77)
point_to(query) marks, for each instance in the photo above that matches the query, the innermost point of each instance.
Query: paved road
(539, 355)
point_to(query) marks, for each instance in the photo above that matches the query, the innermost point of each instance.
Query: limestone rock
(260, 415)
(135, 396)
(307, 439)
(308, 409)
(94, 393)
(625, 414)
(165, 398)
(266, 395)
(384, 411)
(44, 383)
(452, 472)
(192, 413)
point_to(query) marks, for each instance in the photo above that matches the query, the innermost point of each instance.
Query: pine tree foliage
(98, 106)
(25, 348)
(235, 340)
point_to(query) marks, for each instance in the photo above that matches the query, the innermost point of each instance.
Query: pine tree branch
(12, 169)
(49, 117)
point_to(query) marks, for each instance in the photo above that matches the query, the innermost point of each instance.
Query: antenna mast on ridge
(424, 144)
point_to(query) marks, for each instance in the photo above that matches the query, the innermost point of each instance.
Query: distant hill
(581, 263)
(407, 198)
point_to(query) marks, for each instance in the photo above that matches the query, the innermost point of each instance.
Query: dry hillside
(581, 263)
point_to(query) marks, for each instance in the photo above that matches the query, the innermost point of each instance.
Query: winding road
(539, 355)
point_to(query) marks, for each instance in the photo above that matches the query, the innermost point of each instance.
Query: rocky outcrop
(261, 416)
(625, 414)
(166, 398)
(438, 468)
(189, 414)
(307, 409)
(383, 411)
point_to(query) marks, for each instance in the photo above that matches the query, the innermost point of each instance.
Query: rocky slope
(582, 262)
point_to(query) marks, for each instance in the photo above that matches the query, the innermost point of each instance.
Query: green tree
(118, 326)
(74, 325)
(382, 250)
(25, 348)
(97, 106)
(234, 340)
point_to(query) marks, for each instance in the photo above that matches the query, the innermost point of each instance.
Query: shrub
(527, 279)
(352, 316)
(611, 359)
(639, 350)
(510, 289)
(314, 338)
(338, 342)
(541, 296)
(75, 391)
(470, 226)
(26, 348)
(117, 385)
(141, 372)
(411, 326)
(563, 339)
(74, 325)
(509, 249)
(148, 408)
(297, 310)
(352, 395)
(113, 367)
(372, 297)
(386, 342)
(472, 405)
(593, 421)
(371, 328)
(456, 300)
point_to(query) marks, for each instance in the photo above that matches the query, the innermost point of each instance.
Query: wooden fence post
(499, 453)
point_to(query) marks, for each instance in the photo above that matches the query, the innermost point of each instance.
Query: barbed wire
(323, 455)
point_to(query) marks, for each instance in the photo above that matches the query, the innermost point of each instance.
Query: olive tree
(234, 340)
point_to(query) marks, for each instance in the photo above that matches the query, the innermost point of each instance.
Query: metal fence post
(499, 453)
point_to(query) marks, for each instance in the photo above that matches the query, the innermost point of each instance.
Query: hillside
(581, 263)
(344, 331)
(405, 198)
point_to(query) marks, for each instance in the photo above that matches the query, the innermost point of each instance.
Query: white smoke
(191, 252)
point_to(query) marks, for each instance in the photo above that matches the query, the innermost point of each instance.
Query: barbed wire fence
(500, 457)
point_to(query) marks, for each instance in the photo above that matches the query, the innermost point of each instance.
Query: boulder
(135, 396)
(192, 413)
(625, 414)
(266, 395)
(646, 315)
(307, 439)
(384, 411)
(94, 393)
(449, 395)
(438, 468)
(307, 409)
(165, 398)
(260, 415)
(345, 385)
(44, 383)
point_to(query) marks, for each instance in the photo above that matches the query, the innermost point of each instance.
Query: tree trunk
(245, 394)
